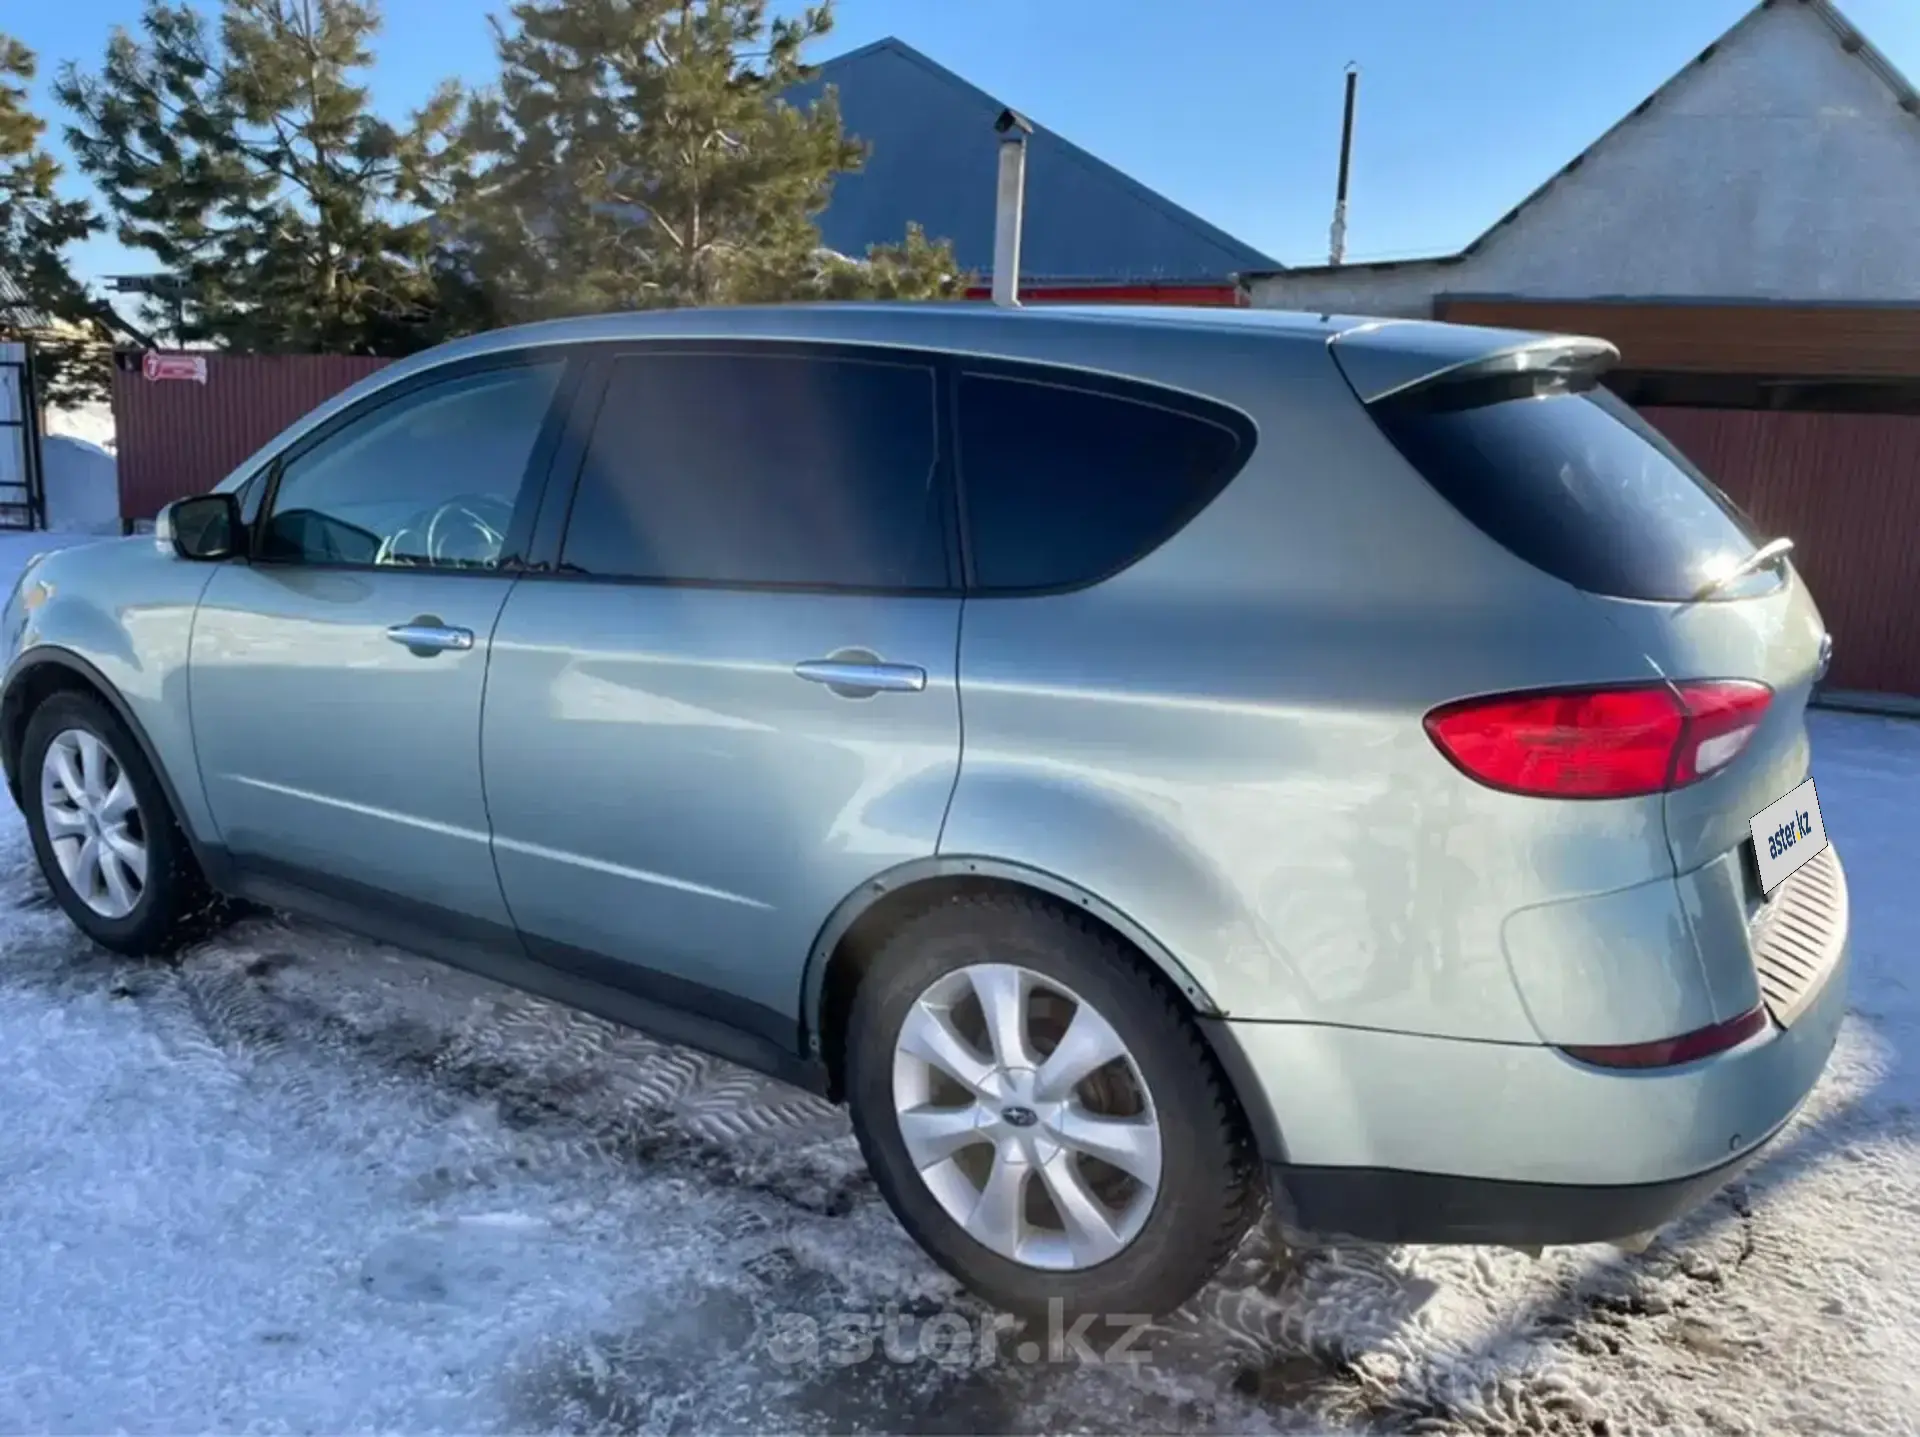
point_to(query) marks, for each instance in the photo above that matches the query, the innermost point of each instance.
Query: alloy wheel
(1027, 1117)
(93, 822)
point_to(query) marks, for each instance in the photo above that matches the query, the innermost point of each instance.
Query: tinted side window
(1580, 486)
(1067, 485)
(425, 480)
(763, 469)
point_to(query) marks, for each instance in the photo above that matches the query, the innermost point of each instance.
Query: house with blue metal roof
(933, 160)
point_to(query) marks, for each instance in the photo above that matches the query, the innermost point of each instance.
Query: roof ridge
(885, 42)
(1849, 38)
(1851, 41)
(1239, 250)
(1855, 43)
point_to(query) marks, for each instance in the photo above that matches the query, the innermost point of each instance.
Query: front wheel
(106, 838)
(1042, 1114)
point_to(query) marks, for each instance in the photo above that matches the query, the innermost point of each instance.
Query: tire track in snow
(252, 1009)
(295, 1022)
(1400, 1340)
(264, 1007)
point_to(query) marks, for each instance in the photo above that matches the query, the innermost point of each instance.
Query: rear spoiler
(1407, 359)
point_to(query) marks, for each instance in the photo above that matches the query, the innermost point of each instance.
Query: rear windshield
(1577, 484)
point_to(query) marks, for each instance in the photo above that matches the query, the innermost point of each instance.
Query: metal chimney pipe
(1009, 204)
(1338, 248)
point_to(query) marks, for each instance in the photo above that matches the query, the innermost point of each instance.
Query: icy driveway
(303, 1183)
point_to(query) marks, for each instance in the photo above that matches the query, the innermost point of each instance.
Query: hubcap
(1027, 1117)
(93, 823)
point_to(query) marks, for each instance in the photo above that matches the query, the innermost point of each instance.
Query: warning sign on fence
(174, 366)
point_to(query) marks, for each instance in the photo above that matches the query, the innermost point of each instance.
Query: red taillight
(1618, 742)
(1672, 1052)
(1721, 719)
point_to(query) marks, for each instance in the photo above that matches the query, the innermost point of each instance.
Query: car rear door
(1568, 477)
(733, 700)
(336, 677)
(1763, 627)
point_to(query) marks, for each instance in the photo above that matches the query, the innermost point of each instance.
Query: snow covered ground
(299, 1182)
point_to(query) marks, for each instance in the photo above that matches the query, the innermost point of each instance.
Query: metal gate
(23, 495)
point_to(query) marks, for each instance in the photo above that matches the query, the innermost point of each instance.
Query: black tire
(1210, 1191)
(175, 906)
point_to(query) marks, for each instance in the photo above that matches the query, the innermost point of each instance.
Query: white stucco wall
(1782, 168)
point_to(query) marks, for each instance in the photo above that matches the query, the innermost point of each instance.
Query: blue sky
(1230, 107)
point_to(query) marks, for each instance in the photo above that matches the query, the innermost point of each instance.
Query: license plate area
(1799, 935)
(1786, 834)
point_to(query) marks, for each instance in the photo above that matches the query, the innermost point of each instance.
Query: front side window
(428, 480)
(763, 468)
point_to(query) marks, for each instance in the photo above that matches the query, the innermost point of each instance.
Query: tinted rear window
(1580, 486)
(1067, 485)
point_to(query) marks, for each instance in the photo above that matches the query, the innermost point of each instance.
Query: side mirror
(203, 528)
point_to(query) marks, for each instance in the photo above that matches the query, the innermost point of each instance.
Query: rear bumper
(1401, 1207)
(1396, 1137)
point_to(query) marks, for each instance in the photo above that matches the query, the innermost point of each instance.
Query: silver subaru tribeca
(1141, 760)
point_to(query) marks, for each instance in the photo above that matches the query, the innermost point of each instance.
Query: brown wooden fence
(1851, 341)
(1846, 489)
(181, 428)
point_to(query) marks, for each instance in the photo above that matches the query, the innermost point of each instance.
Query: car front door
(336, 676)
(734, 701)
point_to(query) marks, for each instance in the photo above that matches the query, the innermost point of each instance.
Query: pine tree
(916, 268)
(287, 215)
(640, 153)
(36, 227)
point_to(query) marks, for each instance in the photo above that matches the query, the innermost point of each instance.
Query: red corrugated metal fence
(1846, 489)
(179, 436)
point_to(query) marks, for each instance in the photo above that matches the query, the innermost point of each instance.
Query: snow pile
(82, 486)
(91, 423)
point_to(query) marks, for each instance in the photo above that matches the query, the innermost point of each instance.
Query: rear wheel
(103, 831)
(1041, 1113)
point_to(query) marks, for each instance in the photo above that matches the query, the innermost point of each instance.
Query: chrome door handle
(860, 680)
(425, 637)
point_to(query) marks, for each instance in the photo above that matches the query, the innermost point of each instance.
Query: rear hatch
(1518, 433)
